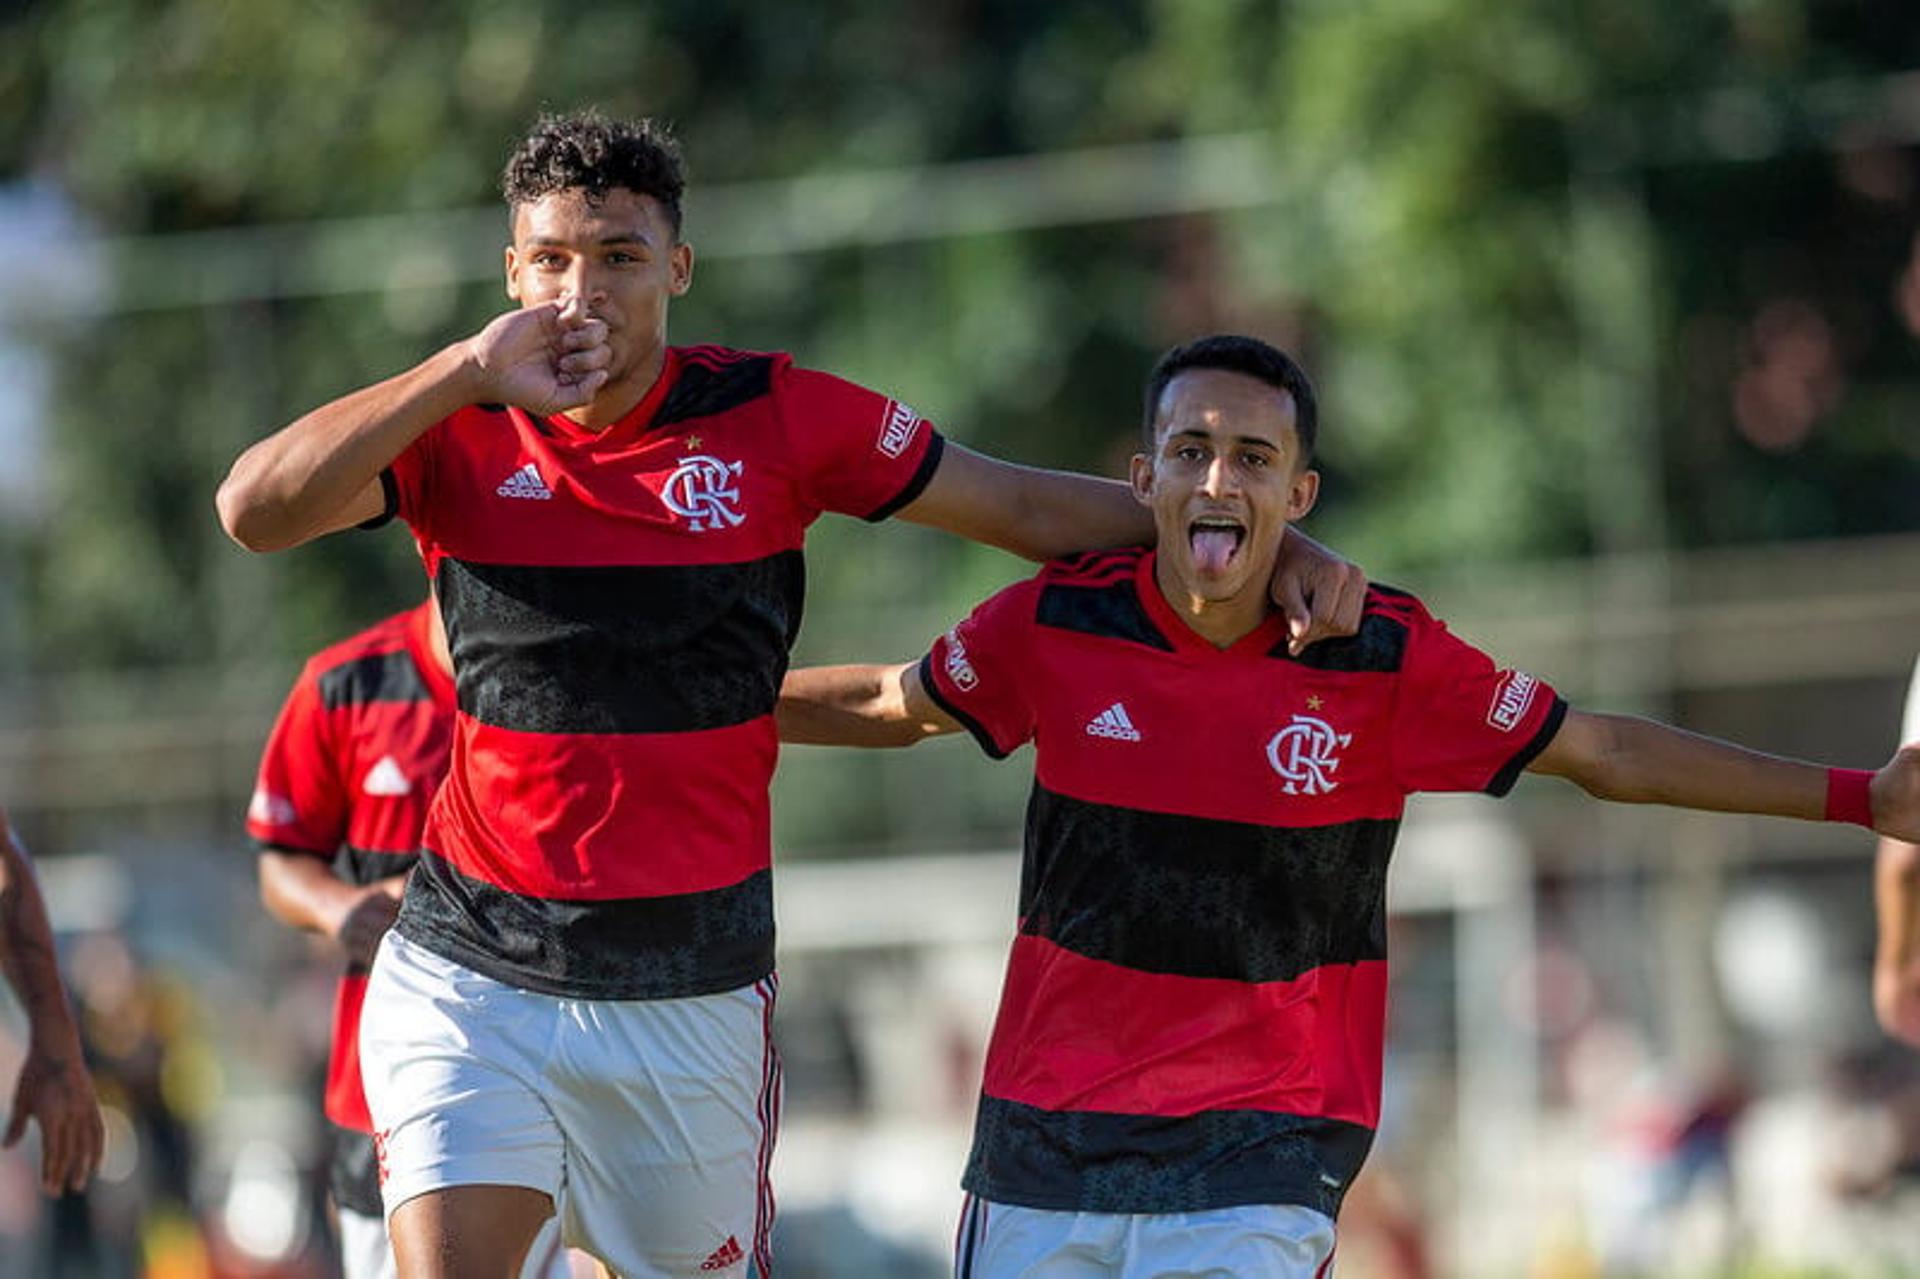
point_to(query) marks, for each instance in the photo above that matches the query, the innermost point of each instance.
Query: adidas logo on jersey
(385, 778)
(726, 1255)
(1113, 722)
(270, 809)
(525, 482)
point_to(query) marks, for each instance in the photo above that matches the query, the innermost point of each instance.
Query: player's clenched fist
(545, 359)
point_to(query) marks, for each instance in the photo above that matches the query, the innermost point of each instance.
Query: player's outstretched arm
(873, 706)
(1896, 960)
(301, 891)
(1638, 761)
(1041, 515)
(321, 473)
(54, 1089)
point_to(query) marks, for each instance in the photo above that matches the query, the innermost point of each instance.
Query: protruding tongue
(1212, 548)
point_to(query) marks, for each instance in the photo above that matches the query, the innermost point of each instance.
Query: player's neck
(618, 398)
(1222, 623)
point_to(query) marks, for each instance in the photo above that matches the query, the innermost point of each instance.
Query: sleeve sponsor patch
(896, 429)
(959, 669)
(1511, 698)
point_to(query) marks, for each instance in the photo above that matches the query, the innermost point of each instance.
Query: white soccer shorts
(649, 1122)
(1258, 1241)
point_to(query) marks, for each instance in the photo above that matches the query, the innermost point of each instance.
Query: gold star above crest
(693, 441)
(1314, 703)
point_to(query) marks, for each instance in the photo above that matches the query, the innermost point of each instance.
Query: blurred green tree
(1451, 243)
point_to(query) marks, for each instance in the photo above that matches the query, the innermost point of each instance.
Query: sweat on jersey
(619, 605)
(359, 749)
(1194, 1011)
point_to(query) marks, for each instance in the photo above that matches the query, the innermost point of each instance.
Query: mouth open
(1215, 541)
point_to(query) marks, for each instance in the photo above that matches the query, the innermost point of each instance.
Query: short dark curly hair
(586, 151)
(1237, 354)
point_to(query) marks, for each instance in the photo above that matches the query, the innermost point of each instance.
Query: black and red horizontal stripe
(1079, 1034)
(375, 677)
(619, 635)
(665, 947)
(1201, 897)
(620, 649)
(363, 866)
(1091, 1162)
(1194, 1011)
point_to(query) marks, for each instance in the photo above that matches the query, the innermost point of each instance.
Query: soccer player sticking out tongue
(1185, 1072)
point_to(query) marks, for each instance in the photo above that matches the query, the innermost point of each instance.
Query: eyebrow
(1254, 440)
(620, 237)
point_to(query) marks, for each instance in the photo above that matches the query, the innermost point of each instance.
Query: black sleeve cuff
(922, 476)
(1504, 779)
(390, 491)
(269, 846)
(972, 725)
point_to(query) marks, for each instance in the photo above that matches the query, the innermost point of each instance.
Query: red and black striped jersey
(1195, 1006)
(359, 749)
(620, 605)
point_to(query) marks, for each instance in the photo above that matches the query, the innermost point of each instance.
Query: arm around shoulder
(870, 706)
(1036, 514)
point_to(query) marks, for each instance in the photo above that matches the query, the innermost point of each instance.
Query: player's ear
(680, 269)
(1302, 494)
(513, 274)
(1140, 472)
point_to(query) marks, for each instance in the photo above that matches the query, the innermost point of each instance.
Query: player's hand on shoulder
(1322, 593)
(545, 359)
(1895, 795)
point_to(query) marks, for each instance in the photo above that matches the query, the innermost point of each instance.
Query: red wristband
(1847, 796)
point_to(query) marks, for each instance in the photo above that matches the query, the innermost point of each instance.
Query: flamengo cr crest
(1302, 753)
(706, 491)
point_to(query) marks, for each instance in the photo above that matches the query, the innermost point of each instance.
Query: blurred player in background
(1185, 1073)
(573, 1011)
(53, 1089)
(359, 749)
(1896, 899)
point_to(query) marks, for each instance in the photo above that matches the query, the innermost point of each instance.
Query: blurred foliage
(1435, 153)
(1423, 254)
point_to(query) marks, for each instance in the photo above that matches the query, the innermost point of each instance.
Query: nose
(1219, 479)
(583, 282)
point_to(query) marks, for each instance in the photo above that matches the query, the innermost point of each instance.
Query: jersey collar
(634, 422)
(1260, 640)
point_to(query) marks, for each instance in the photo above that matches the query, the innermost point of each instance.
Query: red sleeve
(408, 478)
(1461, 722)
(299, 803)
(857, 452)
(974, 672)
